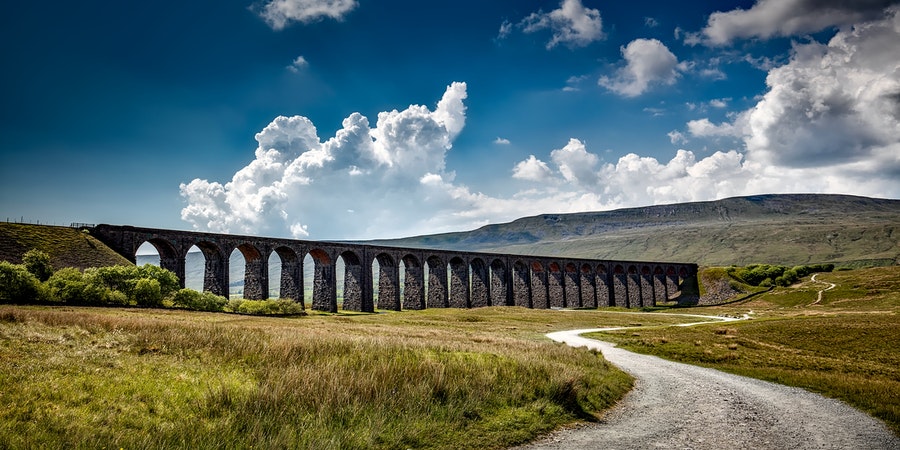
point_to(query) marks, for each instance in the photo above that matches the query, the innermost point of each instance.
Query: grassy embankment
(844, 347)
(67, 247)
(109, 377)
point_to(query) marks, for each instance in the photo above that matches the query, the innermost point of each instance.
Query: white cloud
(835, 103)
(719, 102)
(575, 164)
(532, 169)
(501, 141)
(705, 128)
(572, 24)
(773, 18)
(280, 13)
(677, 137)
(299, 63)
(648, 62)
(505, 29)
(296, 180)
(650, 22)
(829, 122)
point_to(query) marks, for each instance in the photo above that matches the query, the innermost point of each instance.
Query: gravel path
(679, 406)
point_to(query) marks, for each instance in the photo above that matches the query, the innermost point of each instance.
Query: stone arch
(479, 295)
(539, 286)
(169, 257)
(603, 287)
(556, 294)
(291, 278)
(459, 283)
(634, 287)
(256, 272)
(355, 284)
(388, 282)
(215, 271)
(324, 281)
(620, 287)
(499, 286)
(671, 282)
(588, 286)
(521, 285)
(437, 290)
(413, 283)
(659, 285)
(571, 286)
(646, 280)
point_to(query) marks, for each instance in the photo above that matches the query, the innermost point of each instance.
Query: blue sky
(343, 119)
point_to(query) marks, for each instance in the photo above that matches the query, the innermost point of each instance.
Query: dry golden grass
(103, 377)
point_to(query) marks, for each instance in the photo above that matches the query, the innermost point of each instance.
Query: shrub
(147, 285)
(205, 301)
(38, 263)
(18, 285)
(70, 285)
(265, 307)
(146, 292)
(766, 275)
(168, 281)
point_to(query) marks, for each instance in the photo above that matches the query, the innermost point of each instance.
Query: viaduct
(454, 279)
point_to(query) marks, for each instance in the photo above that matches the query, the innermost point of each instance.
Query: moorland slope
(775, 229)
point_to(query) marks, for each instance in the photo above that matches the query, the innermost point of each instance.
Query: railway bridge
(431, 278)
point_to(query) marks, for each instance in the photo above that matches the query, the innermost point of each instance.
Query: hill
(67, 247)
(776, 229)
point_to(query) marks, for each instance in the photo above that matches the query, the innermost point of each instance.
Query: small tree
(38, 263)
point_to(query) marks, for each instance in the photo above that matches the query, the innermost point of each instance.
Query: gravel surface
(679, 406)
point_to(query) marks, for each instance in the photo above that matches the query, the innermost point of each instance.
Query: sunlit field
(844, 347)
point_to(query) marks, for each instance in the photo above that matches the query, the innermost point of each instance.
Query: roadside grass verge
(81, 377)
(844, 348)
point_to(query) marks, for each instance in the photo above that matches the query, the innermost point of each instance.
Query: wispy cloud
(299, 63)
(278, 14)
(571, 24)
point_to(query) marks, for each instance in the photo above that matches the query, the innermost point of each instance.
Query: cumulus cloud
(278, 14)
(835, 103)
(532, 169)
(501, 141)
(829, 122)
(296, 180)
(705, 128)
(648, 62)
(774, 18)
(572, 24)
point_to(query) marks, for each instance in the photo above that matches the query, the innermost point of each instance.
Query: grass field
(845, 347)
(139, 378)
(439, 378)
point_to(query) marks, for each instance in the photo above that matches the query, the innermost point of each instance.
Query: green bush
(18, 285)
(205, 301)
(70, 285)
(265, 307)
(38, 263)
(146, 292)
(147, 285)
(766, 275)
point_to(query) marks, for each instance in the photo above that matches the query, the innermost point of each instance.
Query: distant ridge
(774, 228)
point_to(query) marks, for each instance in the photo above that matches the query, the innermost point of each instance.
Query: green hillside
(775, 229)
(67, 247)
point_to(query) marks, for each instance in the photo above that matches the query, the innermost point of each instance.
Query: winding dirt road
(679, 406)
